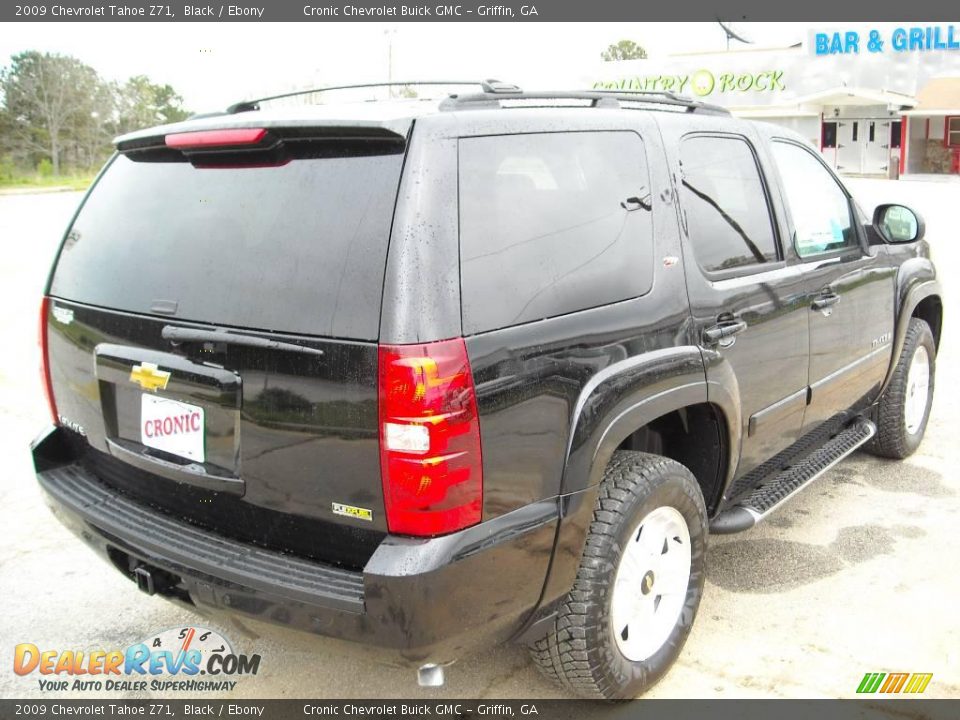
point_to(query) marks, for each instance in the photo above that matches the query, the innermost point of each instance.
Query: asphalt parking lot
(857, 574)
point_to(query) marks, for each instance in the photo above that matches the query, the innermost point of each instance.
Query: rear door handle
(723, 330)
(637, 203)
(827, 299)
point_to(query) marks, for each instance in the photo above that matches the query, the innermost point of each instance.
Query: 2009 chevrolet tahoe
(436, 375)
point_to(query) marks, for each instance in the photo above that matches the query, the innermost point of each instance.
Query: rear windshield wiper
(180, 334)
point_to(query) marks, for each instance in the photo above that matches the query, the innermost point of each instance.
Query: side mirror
(898, 224)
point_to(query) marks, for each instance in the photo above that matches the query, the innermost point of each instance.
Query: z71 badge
(351, 511)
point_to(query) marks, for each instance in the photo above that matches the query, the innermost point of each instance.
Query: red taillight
(45, 361)
(215, 138)
(429, 439)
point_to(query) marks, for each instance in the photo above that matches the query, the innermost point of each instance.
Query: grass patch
(37, 181)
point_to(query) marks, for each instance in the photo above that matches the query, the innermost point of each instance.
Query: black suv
(436, 375)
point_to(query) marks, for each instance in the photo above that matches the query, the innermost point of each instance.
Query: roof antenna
(732, 34)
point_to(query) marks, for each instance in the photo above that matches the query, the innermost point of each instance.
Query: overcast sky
(214, 64)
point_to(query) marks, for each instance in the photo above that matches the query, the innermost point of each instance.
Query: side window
(819, 206)
(552, 223)
(725, 205)
(952, 134)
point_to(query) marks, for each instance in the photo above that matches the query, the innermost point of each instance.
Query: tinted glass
(297, 248)
(551, 224)
(728, 220)
(818, 205)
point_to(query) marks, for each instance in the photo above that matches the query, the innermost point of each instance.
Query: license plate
(172, 426)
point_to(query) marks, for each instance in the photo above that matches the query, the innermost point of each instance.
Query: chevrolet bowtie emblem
(149, 376)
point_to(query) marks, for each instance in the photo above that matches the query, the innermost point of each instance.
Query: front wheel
(639, 584)
(904, 409)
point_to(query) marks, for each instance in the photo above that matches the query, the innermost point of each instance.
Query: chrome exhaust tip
(430, 675)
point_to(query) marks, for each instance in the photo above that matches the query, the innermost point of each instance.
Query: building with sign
(879, 103)
(932, 129)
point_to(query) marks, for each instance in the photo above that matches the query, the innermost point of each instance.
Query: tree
(624, 50)
(57, 109)
(7, 128)
(141, 103)
(49, 101)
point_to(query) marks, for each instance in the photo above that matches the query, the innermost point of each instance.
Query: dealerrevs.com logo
(189, 659)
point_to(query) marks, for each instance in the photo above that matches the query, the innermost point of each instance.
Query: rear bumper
(429, 600)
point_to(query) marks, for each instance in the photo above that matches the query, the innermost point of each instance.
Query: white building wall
(808, 126)
(936, 128)
(916, 132)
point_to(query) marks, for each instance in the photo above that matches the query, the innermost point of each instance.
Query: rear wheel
(904, 409)
(639, 583)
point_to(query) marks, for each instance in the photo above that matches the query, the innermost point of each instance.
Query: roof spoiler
(261, 145)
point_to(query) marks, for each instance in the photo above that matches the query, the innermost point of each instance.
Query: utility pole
(389, 34)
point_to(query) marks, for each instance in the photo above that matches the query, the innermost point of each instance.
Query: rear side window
(298, 248)
(552, 223)
(725, 204)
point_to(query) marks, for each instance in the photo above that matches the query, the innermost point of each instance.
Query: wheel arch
(614, 407)
(629, 395)
(930, 310)
(918, 295)
(697, 437)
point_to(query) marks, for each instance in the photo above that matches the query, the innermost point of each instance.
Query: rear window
(552, 223)
(298, 248)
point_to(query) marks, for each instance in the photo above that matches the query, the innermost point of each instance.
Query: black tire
(892, 439)
(580, 652)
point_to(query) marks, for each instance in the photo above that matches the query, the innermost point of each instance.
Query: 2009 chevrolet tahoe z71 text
(436, 375)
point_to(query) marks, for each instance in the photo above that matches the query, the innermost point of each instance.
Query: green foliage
(8, 171)
(141, 103)
(45, 168)
(624, 50)
(48, 99)
(31, 180)
(56, 108)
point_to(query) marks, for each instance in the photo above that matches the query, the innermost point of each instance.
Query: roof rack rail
(496, 86)
(249, 105)
(597, 98)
